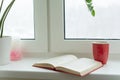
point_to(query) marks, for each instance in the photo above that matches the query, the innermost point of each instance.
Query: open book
(70, 64)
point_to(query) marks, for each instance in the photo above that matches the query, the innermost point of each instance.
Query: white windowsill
(24, 69)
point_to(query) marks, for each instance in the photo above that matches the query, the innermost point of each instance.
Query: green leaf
(88, 1)
(93, 12)
(90, 7)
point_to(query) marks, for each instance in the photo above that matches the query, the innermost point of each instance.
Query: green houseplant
(5, 41)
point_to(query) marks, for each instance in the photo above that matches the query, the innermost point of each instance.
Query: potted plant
(5, 41)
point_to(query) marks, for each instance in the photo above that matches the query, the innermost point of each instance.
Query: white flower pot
(5, 47)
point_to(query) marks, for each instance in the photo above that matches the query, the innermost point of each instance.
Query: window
(20, 21)
(60, 45)
(29, 18)
(49, 31)
(40, 44)
(79, 24)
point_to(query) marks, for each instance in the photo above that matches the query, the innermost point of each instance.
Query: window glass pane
(80, 24)
(19, 22)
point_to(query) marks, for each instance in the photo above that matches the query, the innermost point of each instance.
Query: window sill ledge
(24, 69)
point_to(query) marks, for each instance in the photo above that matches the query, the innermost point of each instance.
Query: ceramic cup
(100, 51)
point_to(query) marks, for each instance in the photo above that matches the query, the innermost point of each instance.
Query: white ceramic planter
(5, 47)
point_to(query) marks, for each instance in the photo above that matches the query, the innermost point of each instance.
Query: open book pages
(55, 61)
(70, 64)
(80, 66)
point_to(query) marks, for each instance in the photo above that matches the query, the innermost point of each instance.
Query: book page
(58, 60)
(81, 66)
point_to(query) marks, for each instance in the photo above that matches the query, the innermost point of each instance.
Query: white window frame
(57, 42)
(49, 33)
(40, 44)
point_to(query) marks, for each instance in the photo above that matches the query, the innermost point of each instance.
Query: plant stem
(4, 17)
(1, 5)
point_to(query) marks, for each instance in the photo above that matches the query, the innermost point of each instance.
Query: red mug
(101, 51)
